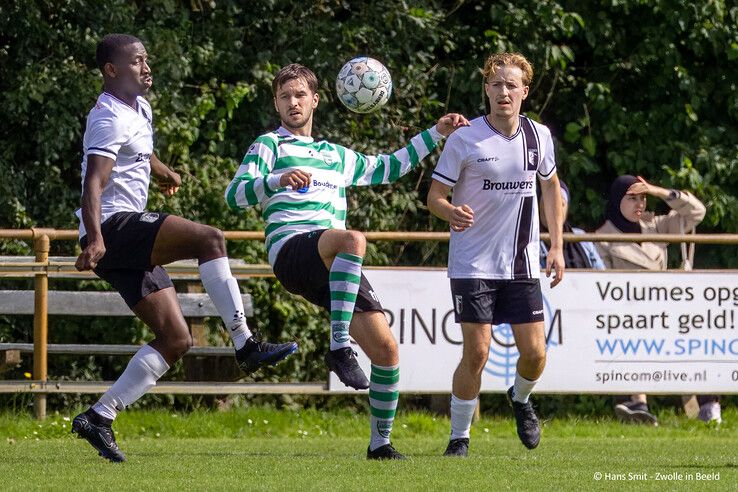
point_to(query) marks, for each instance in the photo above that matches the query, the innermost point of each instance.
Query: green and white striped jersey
(322, 205)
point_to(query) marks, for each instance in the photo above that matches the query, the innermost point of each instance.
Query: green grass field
(266, 449)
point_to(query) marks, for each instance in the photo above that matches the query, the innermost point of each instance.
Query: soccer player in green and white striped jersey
(301, 187)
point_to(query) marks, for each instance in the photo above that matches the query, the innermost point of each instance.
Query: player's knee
(354, 242)
(476, 359)
(534, 358)
(387, 352)
(213, 241)
(184, 345)
(180, 345)
(389, 346)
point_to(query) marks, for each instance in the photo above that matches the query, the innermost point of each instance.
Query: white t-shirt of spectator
(496, 176)
(116, 130)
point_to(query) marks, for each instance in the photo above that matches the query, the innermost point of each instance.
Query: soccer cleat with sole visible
(256, 354)
(386, 452)
(635, 412)
(529, 430)
(458, 447)
(99, 434)
(343, 362)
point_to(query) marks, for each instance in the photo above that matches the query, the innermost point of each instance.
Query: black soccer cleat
(635, 412)
(458, 447)
(97, 431)
(343, 362)
(256, 354)
(386, 452)
(529, 430)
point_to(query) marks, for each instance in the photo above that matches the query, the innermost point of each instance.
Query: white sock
(522, 388)
(141, 374)
(462, 412)
(223, 290)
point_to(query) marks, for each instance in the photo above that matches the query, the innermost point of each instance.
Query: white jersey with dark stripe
(496, 176)
(322, 205)
(116, 130)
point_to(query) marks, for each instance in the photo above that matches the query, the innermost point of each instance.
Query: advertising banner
(606, 332)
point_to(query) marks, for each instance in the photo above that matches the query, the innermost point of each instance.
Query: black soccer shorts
(300, 269)
(478, 300)
(129, 240)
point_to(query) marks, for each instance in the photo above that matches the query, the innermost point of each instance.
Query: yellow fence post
(41, 244)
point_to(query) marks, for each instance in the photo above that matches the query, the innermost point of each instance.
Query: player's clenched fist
(94, 251)
(296, 179)
(461, 218)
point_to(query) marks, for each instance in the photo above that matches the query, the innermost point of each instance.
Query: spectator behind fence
(576, 255)
(626, 213)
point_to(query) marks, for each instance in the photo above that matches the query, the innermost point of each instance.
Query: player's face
(633, 206)
(506, 91)
(132, 71)
(295, 103)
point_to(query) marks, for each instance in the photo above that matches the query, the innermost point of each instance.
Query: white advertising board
(607, 332)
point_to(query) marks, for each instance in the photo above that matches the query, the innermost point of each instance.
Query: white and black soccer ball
(363, 85)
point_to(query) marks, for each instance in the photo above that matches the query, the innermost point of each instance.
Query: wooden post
(9, 359)
(195, 367)
(40, 323)
(196, 325)
(440, 404)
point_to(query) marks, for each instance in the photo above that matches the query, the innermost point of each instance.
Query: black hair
(109, 47)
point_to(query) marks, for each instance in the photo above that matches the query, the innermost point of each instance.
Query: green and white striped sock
(344, 279)
(383, 394)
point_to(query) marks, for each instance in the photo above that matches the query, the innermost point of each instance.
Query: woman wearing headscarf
(626, 213)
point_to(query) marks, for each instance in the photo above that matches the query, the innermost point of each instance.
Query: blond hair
(505, 59)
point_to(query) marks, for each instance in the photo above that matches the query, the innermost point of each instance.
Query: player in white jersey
(126, 245)
(493, 263)
(300, 185)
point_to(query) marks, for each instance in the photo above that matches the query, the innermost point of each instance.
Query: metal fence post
(41, 245)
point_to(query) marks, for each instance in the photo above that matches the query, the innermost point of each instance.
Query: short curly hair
(502, 59)
(110, 47)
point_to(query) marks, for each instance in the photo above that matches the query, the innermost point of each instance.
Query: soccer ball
(363, 85)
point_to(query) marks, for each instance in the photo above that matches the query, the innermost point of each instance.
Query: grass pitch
(266, 449)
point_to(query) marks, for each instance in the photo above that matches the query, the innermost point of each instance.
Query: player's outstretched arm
(362, 170)
(98, 172)
(459, 217)
(168, 180)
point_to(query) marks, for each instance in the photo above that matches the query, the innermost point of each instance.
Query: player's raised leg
(343, 253)
(466, 383)
(372, 333)
(530, 339)
(178, 239)
(161, 312)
